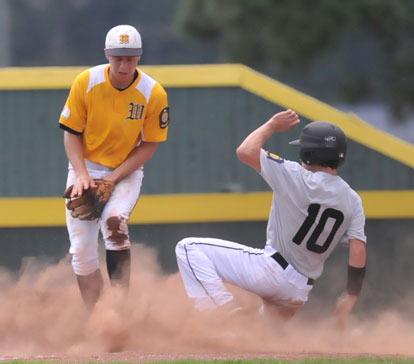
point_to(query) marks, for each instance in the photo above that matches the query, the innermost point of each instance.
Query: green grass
(258, 361)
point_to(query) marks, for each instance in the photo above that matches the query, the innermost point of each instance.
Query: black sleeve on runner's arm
(355, 279)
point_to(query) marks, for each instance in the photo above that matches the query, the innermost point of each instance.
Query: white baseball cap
(123, 40)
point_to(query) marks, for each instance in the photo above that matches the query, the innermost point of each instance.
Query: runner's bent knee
(181, 248)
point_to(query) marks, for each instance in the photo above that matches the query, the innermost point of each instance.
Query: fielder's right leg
(85, 260)
(83, 236)
(90, 287)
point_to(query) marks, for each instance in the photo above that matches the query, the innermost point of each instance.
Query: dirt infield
(42, 318)
(138, 357)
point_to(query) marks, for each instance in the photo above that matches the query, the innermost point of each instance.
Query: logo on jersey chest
(136, 111)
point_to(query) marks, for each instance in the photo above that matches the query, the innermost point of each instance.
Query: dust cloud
(41, 314)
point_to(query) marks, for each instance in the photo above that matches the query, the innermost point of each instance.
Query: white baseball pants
(206, 263)
(83, 235)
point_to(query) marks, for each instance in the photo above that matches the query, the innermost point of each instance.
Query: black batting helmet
(322, 143)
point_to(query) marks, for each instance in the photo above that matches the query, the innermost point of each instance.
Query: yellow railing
(190, 208)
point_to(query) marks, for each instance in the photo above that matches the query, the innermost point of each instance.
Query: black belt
(283, 263)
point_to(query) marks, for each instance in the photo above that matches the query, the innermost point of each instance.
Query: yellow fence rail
(192, 208)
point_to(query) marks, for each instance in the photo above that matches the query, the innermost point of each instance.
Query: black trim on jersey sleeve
(66, 128)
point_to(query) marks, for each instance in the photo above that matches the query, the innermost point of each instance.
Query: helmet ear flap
(323, 157)
(306, 157)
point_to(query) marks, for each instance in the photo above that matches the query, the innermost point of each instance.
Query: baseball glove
(90, 205)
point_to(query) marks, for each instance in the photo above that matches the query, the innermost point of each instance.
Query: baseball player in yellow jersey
(113, 119)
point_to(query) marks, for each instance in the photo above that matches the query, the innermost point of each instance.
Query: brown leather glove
(90, 204)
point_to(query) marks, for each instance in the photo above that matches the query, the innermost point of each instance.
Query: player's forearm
(137, 158)
(249, 150)
(356, 266)
(74, 151)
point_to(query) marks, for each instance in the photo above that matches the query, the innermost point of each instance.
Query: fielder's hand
(90, 204)
(83, 182)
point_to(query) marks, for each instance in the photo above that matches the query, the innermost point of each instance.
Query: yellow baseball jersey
(113, 122)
